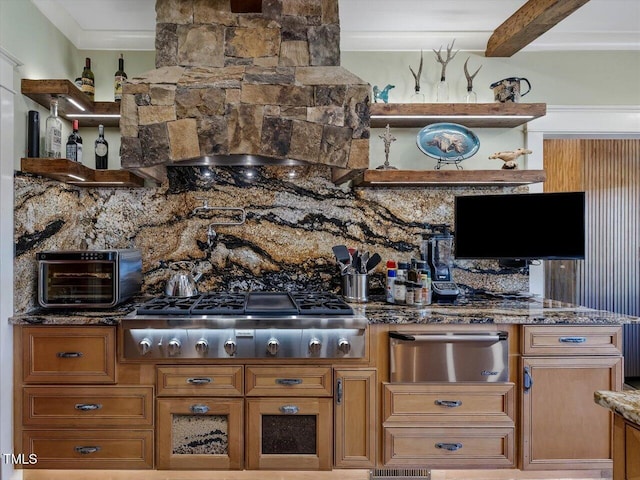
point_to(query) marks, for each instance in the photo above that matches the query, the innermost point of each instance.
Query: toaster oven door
(82, 283)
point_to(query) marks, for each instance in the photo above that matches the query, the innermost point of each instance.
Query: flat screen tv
(524, 226)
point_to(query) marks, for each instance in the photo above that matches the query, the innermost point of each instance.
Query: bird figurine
(382, 94)
(509, 157)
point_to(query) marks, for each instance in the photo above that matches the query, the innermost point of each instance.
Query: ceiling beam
(532, 19)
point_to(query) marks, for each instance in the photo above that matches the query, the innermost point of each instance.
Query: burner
(168, 306)
(320, 303)
(220, 303)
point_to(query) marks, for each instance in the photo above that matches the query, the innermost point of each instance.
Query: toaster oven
(88, 278)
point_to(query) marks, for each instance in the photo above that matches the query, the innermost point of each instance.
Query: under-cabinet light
(457, 117)
(93, 115)
(75, 104)
(76, 177)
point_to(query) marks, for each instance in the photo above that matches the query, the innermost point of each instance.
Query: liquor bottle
(119, 79)
(53, 132)
(88, 85)
(102, 150)
(74, 144)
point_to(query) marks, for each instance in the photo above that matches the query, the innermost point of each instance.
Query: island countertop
(476, 309)
(625, 403)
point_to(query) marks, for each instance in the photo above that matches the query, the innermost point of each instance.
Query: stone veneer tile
(294, 53)
(296, 113)
(330, 13)
(245, 128)
(168, 75)
(174, 11)
(133, 88)
(196, 102)
(330, 95)
(334, 148)
(266, 61)
(166, 44)
(183, 139)
(327, 76)
(277, 76)
(276, 137)
(330, 115)
(294, 28)
(232, 95)
(303, 8)
(213, 136)
(277, 95)
(251, 42)
(213, 11)
(156, 114)
(130, 152)
(162, 94)
(359, 154)
(201, 45)
(155, 144)
(128, 116)
(324, 45)
(305, 141)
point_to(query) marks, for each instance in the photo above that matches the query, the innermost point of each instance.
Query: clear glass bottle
(101, 150)
(53, 132)
(88, 85)
(442, 91)
(471, 96)
(119, 78)
(74, 144)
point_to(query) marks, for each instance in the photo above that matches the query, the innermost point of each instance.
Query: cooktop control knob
(273, 345)
(344, 346)
(231, 347)
(144, 346)
(174, 347)
(202, 346)
(315, 345)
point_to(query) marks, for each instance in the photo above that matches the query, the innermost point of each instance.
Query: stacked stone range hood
(257, 87)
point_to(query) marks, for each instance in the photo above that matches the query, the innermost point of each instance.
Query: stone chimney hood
(264, 85)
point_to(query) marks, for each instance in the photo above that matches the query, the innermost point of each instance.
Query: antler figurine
(416, 76)
(470, 77)
(444, 62)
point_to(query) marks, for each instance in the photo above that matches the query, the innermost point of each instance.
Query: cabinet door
(200, 433)
(562, 426)
(355, 418)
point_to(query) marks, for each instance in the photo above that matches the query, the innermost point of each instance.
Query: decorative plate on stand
(449, 143)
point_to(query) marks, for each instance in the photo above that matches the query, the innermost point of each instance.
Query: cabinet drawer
(219, 381)
(88, 406)
(288, 381)
(68, 354)
(446, 403)
(96, 449)
(449, 447)
(568, 340)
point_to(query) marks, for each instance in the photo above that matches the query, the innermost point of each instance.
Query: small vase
(471, 97)
(442, 91)
(417, 97)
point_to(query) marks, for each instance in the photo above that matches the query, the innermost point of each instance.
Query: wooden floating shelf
(480, 115)
(421, 178)
(42, 91)
(68, 171)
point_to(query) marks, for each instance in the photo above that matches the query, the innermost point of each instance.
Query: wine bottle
(53, 132)
(119, 79)
(88, 85)
(102, 150)
(74, 144)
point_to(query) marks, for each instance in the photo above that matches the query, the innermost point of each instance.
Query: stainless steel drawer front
(449, 357)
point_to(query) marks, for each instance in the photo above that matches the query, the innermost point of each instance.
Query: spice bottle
(410, 296)
(391, 277)
(399, 291)
(425, 278)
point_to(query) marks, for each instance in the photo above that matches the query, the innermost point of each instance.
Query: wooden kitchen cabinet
(562, 428)
(626, 449)
(355, 414)
(200, 433)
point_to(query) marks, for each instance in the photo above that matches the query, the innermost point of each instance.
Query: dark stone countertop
(476, 309)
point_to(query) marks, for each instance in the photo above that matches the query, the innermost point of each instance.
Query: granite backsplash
(294, 215)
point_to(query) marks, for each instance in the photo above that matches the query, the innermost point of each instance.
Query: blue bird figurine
(382, 94)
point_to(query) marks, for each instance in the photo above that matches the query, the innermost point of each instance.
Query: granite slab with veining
(625, 403)
(474, 309)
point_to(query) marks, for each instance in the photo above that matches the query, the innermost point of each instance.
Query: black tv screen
(520, 226)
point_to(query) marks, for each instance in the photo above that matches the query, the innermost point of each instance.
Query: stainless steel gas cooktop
(245, 325)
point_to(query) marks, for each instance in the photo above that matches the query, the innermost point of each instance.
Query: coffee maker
(437, 251)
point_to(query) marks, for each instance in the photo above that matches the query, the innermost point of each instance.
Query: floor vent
(400, 474)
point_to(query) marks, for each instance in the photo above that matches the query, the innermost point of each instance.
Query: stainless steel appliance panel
(449, 357)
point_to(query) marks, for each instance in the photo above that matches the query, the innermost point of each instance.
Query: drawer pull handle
(289, 409)
(87, 450)
(288, 381)
(572, 339)
(69, 354)
(85, 407)
(199, 409)
(527, 379)
(199, 380)
(449, 403)
(339, 392)
(452, 447)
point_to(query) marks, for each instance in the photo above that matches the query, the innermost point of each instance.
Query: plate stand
(449, 161)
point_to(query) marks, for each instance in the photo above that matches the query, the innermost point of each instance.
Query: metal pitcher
(183, 284)
(508, 89)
